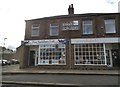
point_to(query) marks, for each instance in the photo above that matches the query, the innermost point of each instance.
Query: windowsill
(70, 29)
(34, 36)
(54, 35)
(87, 34)
(110, 33)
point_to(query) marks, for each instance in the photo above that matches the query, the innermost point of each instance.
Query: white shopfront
(88, 51)
(94, 51)
(48, 52)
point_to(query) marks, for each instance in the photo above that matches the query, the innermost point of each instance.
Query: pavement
(14, 69)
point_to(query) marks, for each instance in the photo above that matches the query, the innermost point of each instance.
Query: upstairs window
(35, 30)
(54, 29)
(71, 25)
(110, 26)
(87, 27)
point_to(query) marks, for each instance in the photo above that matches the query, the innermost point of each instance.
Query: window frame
(111, 22)
(89, 54)
(48, 54)
(87, 24)
(56, 26)
(35, 30)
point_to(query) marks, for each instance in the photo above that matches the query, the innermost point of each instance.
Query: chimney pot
(71, 9)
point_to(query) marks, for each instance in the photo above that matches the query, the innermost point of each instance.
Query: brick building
(73, 41)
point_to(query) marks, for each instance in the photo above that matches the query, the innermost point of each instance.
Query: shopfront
(47, 52)
(93, 51)
(96, 51)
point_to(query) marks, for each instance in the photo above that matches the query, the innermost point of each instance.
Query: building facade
(73, 41)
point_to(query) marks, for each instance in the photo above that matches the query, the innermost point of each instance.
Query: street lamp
(4, 41)
(3, 50)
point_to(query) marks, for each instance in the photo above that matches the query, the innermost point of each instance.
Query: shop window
(87, 27)
(90, 54)
(50, 55)
(54, 29)
(35, 30)
(110, 26)
(71, 25)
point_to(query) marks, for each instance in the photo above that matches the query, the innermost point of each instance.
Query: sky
(13, 14)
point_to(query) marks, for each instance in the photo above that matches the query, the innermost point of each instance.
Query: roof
(73, 15)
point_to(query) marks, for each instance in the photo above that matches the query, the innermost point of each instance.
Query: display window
(90, 54)
(50, 54)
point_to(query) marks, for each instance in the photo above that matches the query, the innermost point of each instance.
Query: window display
(89, 54)
(52, 54)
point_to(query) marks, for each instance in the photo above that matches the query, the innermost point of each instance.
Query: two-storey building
(73, 41)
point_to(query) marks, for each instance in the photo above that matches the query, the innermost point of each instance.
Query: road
(63, 79)
(57, 79)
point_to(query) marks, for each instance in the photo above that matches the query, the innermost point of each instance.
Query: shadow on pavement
(12, 85)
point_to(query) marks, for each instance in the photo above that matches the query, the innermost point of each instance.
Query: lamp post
(4, 41)
(3, 50)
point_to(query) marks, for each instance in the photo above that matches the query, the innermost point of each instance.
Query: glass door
(32, 58)
(108, 58)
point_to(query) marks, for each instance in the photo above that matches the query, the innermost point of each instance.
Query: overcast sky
(14, 12)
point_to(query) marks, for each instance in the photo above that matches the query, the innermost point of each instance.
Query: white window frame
(35, 31)
(110, 26)
(52, 27)
(95, 56)
(89, 27)
(52, 54)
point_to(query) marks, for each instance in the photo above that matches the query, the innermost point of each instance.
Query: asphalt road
(57, 80)
(63, 79)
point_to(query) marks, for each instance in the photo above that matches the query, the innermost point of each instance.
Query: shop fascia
(79, 40)
(41, 42)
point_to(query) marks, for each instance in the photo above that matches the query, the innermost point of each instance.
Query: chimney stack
(70, 9)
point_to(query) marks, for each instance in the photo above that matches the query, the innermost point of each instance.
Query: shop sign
(38, 42)
(96, 40)
(64, 41)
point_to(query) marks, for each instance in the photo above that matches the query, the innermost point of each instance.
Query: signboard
(49, 41)
(73, 41)
(96, 40)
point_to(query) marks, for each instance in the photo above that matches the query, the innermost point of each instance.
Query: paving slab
(14, 69)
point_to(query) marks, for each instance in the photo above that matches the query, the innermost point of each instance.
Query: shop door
(109, 58)
(32, 58)
(115, 57)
